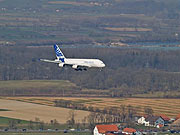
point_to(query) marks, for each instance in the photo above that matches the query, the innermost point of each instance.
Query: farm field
(32, 84)
(74, 21)
(169, 107)
(30, 111)
(36, 87)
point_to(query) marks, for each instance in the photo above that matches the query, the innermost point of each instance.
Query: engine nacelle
(61, 64)
(75, 66)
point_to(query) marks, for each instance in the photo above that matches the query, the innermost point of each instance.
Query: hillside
(128, 72)
(88, 22)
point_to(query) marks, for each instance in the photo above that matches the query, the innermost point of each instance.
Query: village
(144, 125)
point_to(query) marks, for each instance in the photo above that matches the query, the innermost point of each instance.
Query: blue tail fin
(60, 56)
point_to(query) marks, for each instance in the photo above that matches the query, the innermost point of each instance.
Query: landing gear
(81, 69)
(78, 69)
(101, 69)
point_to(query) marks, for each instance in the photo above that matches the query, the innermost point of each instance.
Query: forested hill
(128, 71)
(91, 21)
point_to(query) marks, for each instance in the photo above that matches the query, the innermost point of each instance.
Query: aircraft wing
(51, 61)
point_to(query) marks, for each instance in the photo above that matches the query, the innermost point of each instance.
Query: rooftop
(129, 130)
(107, 128)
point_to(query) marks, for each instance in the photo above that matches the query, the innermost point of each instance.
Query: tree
(84, 122)
(41, 125)
(148, 111)
(71, 118)
(30, 125)
(123, 113)
(12, 124)
(131, 111)
(91, 121)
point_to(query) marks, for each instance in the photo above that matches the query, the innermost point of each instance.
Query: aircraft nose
(103, 65)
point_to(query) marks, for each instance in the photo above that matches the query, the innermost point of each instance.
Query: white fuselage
(84, 62)
(77, 64)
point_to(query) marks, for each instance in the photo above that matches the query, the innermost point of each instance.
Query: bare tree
(148, 111)
(84, 120)
(12, 124)
(71, 118)
(123, 113)
(91, 121)
(31, 126)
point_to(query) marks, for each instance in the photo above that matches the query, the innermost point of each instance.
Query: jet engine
(61, 64)
(75, 66)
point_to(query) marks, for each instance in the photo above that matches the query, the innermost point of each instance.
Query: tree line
(121, 114)
(127, 71)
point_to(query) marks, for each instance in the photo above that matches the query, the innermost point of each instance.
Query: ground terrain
(170, 107)
(98, 21)
(30, 111)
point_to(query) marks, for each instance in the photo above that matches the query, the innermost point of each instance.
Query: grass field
(29, 111)
(30, 84)
(5, 120)
(169, 107)
(36, 87)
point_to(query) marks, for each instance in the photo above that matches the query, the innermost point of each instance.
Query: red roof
(166, 118)
(106, 128)
(178, 116)
(129, 130)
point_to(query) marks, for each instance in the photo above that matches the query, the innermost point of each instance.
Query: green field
(5, 120)
(36, 87)
(31, 84)
(4, 110)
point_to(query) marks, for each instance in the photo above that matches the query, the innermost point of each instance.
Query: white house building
(143, 121)
(154, 121)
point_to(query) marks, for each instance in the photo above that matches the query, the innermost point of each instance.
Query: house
(176, 123)
(165, 118)
(154, 121)
(129, 131)
(142, 120)
(178, 117)
(105, 129)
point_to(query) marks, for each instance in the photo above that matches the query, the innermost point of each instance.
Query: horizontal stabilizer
(51, 61)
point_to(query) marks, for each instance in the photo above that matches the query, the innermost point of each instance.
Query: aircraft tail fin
(60, 56)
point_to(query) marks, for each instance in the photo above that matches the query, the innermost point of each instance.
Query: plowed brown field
(30, 111)
(170, 107)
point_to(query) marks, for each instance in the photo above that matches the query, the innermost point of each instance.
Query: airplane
(77, 64)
